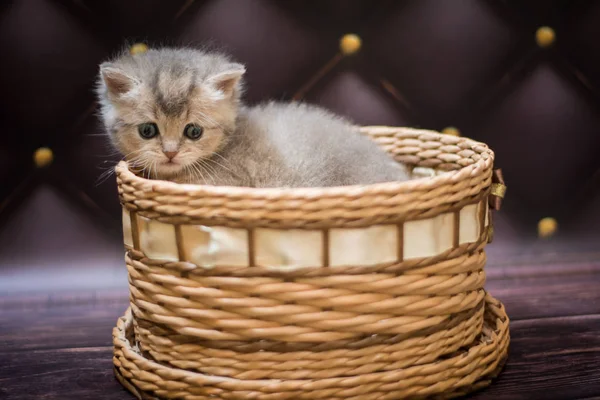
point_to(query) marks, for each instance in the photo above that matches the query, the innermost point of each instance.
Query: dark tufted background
(472, 64)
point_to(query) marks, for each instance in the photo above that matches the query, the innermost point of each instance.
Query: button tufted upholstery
(469, 64)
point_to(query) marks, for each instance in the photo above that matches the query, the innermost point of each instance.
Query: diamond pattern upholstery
(471, 64)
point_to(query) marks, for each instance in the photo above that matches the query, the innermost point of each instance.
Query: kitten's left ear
(226, 81)
(117, 82)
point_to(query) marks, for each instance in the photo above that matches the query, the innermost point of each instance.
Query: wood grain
(548, 296)
(60, 374)
(58, 327)
(553, 358)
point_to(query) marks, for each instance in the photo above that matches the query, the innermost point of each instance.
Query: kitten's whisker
(197, 168)
(137, 162)
(214, 172)
(187, 172)
(220, 165)
(143, 162)
(155, 168)
(222, 158)
(232, 172)
(104, 176)
(207, 166)
(192, 173)
(149, 168)
(195, 178)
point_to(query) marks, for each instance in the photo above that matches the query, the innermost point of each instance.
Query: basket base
(468, 370)
(480, 384)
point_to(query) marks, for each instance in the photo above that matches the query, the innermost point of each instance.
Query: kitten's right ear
(116, 81)
(227, 80)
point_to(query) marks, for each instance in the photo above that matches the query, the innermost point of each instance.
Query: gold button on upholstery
(138, 48)
(547, 227)
(43, 157)
(451, 131)
(350, 44)
(545, 36)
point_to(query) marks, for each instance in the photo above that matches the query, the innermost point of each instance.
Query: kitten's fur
(272, 145)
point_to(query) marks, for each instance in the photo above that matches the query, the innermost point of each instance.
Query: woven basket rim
(385, 188)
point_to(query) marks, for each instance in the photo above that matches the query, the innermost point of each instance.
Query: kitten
(176, 114)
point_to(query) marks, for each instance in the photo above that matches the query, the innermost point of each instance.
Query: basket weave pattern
(467, 370)
(411, 325)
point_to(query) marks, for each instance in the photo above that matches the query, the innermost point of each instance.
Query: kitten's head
(166, 109)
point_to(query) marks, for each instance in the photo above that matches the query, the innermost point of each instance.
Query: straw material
(314, 310)
(467, 369)
(418, 324)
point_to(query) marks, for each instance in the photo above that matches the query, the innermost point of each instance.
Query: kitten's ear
(116, 81)
(226, 81)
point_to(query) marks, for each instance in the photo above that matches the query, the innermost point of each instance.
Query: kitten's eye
(148, 130)
(192, 131)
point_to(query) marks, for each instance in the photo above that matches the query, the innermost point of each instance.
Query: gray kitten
(176, 114)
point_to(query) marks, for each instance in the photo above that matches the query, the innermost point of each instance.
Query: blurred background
(521, 76)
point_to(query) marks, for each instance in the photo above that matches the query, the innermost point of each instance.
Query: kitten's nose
(170, 154)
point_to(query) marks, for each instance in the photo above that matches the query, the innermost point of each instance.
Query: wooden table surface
(58, 346)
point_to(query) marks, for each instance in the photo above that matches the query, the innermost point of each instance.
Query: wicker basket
(372, 292)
